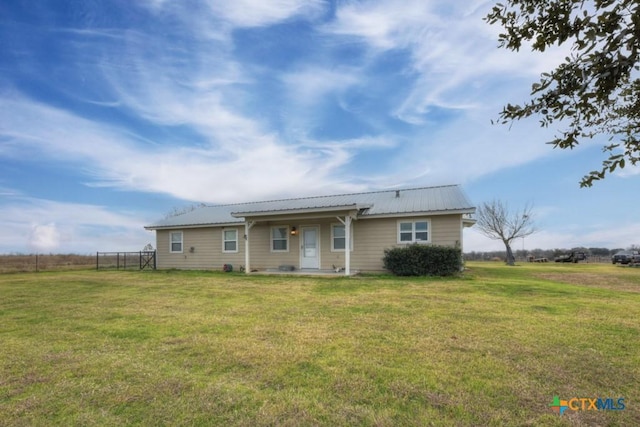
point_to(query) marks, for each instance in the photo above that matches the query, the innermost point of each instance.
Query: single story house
(313, 233)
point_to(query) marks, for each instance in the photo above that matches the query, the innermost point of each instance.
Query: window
(230, 240)
(279, 239)
(338, 238)
(413, 232)
(175, 239)
(421, 231)
(406, 232)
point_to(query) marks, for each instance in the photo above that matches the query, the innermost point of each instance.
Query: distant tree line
(550, 254)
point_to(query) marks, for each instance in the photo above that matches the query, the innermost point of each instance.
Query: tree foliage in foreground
(595, 91)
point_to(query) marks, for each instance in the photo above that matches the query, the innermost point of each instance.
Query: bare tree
(496, 222)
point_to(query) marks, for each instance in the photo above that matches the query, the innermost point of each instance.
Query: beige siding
(446, 230)
(370, 238)
(373, 236)
(261, 255)
(207, 249)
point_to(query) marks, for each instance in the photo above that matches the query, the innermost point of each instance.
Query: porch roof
(396, 202)
(319, 210)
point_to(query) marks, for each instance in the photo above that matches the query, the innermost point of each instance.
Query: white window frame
(333, 237)
(413, 222)
(224, 241)
(171, 242)
(272, 240)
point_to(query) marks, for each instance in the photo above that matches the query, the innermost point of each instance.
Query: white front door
(310, 248)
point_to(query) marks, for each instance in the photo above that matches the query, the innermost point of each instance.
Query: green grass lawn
(492, 347)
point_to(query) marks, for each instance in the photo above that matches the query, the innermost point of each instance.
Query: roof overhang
(180, 227)
(468, 222)
(462, 212)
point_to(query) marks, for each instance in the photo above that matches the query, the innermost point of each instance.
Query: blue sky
(113, 113)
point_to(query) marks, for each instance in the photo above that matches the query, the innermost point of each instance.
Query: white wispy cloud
(178, 102)
(115, 158)
(453, 53)
(198, 84)
(40, 225)
(382, 24)
(249, 13)
(216, 20)
(312, 84)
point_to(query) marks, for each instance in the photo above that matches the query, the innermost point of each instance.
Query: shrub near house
(419, 260)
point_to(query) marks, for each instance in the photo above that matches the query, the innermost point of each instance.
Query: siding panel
(207, 249)
(370, 238)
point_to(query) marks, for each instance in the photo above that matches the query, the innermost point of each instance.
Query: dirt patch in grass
(595, 280)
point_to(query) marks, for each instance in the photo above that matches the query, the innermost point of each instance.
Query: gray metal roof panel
(206, 215)
(411, 200)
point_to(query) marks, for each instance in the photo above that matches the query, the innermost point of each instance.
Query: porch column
(347, 243)
(247, 227)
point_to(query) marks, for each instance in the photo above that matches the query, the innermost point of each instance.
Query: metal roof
(431, 200)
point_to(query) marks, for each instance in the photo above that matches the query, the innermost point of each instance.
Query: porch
(304, 272)
(297, 233)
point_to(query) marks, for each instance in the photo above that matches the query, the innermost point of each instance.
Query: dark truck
(572, 257)
(626, 257)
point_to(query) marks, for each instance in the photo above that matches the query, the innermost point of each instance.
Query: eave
(203, 225)
(420, 213)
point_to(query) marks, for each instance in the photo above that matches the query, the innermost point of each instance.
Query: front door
(310, 248)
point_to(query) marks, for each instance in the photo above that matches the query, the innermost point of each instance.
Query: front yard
(493, 347)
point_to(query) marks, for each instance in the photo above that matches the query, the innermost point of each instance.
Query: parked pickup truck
(572, 257)
(626, 257)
